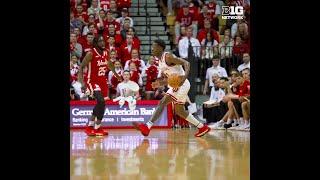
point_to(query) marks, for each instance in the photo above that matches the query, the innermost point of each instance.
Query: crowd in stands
(222, 45)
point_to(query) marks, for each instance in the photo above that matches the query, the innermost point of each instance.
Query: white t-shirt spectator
(243, 66)
(217, 95)
(184, 44)
(215, 70)
(124, 91)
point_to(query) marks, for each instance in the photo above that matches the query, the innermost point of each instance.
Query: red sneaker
(142, 128)
(89, 131)
(202, 131)
(100, 132)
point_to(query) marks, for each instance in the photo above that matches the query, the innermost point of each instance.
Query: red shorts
(100, 85)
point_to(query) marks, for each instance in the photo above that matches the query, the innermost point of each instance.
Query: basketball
(174, 80)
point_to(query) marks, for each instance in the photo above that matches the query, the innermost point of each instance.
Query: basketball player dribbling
(97, 61)
(169, 65)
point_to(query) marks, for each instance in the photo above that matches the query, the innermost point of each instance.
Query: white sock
(221, 121)
(241, 121)
(246, 122)
(91, 123)
(149, 124)
(229, 121)
(96, 126)
(194, 121)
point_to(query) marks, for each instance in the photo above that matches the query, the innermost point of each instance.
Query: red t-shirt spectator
(123, 4)
(126, 52)
(151, 72)
(240, 48)
(117, 38)
(202, 17)
(105, 4)
(212, 7)
(135, 76)
(202, 34)
(244, 89)
(185, 20)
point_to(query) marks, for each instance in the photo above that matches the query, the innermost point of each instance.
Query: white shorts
(179, 96)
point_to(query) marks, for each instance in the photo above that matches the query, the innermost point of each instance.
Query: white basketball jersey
(168, 70)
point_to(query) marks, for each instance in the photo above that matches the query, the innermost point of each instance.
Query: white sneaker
(217, 125)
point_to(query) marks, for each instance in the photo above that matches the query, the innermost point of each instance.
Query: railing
(200, 59)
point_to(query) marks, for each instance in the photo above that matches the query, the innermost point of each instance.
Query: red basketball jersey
(98, 67)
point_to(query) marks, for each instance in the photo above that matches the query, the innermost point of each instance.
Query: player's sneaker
(100, 132)
(142, 128)
(89, 131)
(202, 131)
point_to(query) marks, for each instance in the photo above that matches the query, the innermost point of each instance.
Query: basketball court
(165, 154)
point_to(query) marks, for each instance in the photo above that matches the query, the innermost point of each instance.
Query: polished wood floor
(164, 155)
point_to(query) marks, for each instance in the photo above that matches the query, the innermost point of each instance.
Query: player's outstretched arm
(84, 63)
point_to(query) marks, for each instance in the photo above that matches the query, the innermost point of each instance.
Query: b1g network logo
(232, 12)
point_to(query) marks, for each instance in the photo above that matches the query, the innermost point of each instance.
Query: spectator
(135, 75)
(209, 47)
(212, 111)
(90, 27)
(207, 28)
(74, 22)
(212, 70)
(235, 100)
(105, 4)
(94, 8)
(81, 15)
(111, 31)
(225, 49)
(114, 9)
(126, 49)
(75, 48)
(245, 104)
(243, 32)
(80, 39)
(150, 72)
(246, 62)
(227, 33)
(246, 75)
(140, 65)
(238, 49)
(125, 28)
(122, 89)
(110, 45)
(114, 56)
(123, 4)
(124, 15)
(113, 81)
(183, 33)
(210, 16)
(193, 8)
(88, 45)
(136, 39)
(74, 69)
(185, 19)
(108, 21)
(184, 43)
(233, 74)
(234, 27)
